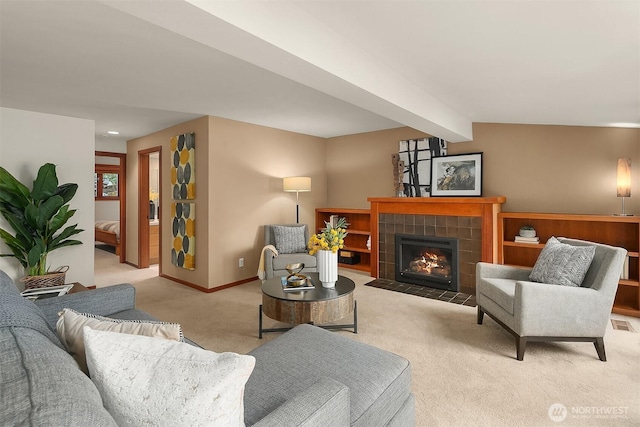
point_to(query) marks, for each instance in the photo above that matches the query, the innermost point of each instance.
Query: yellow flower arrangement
(330, 238)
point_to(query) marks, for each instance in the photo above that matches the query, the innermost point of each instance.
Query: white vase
(327, 268)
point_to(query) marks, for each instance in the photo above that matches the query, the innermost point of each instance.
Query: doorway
(110, 201)
(149, 212)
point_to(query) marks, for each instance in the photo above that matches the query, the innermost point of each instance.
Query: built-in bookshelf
(622, 231)
(359, 230)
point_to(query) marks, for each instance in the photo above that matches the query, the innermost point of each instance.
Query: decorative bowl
(526, 232)
(296, 280)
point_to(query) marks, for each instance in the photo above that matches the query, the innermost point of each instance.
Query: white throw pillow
(70, 324)
(155, 382)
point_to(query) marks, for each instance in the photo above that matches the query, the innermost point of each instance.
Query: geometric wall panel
(183, 176)
(183, 226)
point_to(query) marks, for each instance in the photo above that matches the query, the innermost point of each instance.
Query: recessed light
(113, 132)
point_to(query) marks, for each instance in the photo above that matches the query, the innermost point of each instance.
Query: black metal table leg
(355, 317)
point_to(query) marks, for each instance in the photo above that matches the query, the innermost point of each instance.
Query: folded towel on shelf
(261, 270)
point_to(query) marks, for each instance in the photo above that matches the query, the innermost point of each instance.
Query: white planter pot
(327, 268)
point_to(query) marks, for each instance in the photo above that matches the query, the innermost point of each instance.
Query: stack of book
(532, 240)
(46, 292)
(297, 283)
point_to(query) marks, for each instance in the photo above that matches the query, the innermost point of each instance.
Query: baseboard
(209, 290)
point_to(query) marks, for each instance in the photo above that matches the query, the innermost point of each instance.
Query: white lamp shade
(624, 177)
(296, 183)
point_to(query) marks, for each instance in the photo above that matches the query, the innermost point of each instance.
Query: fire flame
(430, 263)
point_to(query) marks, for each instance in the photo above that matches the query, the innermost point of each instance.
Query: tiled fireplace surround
(473, 221)
(466, 229)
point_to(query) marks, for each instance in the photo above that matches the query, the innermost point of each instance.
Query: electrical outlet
(241, 262)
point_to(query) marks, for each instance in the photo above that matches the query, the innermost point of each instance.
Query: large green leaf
(17, 248)
(13, 191)
(31, 214)
(47, 210)
(6, 209)
(60, 218)
(71, 242)
(57, 242)
(11, 241)
(46, 182)
(23, 232)
(67, 191)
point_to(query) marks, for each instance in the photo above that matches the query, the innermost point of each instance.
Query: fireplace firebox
(427, 261)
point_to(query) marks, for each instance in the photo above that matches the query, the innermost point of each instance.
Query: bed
(108, 232)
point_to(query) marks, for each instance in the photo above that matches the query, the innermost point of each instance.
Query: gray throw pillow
(562, 264)
(289, 239)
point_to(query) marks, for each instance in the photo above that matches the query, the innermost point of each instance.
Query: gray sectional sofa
(307, 376)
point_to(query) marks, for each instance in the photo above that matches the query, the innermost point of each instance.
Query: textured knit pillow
(562, 264)
(70, 324)
(147, 381)
(289, 239)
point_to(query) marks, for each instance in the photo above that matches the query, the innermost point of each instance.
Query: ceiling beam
(305, 51)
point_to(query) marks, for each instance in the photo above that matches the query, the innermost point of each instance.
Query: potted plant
(37, 217)
(527, 231)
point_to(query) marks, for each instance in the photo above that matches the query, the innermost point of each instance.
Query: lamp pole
(297, 184)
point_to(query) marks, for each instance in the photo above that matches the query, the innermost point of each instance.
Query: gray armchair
(533, 311)
(275, 266)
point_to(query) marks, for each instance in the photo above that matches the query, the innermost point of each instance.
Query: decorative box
(348, 257)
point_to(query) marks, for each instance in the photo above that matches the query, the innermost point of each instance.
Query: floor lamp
(298, 184)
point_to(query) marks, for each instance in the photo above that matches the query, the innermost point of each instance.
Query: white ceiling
(323, 68)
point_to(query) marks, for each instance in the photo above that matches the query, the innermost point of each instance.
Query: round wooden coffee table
(317, 306)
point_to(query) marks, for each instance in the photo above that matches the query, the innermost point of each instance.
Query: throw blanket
(261, 270)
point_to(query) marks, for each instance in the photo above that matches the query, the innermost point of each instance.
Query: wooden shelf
(352, 249)
(360, 267)
(365, 233)
(524, 245)
(629, 283)
(359, 230)
(608, 229)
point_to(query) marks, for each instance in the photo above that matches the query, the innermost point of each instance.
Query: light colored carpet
(109, 271)
(463, 374)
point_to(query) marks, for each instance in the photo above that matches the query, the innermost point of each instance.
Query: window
(106, 183)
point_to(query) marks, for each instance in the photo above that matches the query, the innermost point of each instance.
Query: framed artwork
(183, 175)
(416, 155)
(183, 226)
(459, 175)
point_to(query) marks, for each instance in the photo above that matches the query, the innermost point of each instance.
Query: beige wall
(359, 166)
(200, 126)
(566, 169)
(239, 170)
(247, 165)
